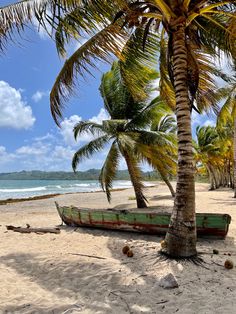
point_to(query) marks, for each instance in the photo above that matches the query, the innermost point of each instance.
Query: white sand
(40, 274)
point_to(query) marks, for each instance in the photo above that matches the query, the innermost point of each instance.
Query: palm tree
(127, 131)
(213, 150)
(207, 151)
(228, 112)
(165, 123)
(193, 30)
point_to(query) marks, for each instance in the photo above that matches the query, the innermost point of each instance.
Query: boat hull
(208, 225)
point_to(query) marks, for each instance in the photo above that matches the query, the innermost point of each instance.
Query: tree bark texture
(235, 157)
(181, 236)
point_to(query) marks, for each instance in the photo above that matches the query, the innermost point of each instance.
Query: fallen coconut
(130, 253)
(125, 249)
(229, 264)
(163, 244)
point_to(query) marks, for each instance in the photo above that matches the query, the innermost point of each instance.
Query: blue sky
(29, 138)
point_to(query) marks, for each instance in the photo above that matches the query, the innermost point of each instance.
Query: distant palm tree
(213, 150)
(128, 133)
(227, 113)
(207, 151)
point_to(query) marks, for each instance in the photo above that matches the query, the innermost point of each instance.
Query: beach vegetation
(193, 30)
(227, 118)
(128, 131)
(214, 155)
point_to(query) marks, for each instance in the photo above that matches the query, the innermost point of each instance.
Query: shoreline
(46, 196)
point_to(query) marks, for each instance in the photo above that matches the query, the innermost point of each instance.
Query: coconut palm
(128, 135)
(228, 112)
(213, 150)
(207, 151)
(193, 30)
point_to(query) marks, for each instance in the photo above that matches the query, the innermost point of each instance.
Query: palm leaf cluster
(137, 32)
(214, 154)
(227, 115)
(131, 134)
(139, 36)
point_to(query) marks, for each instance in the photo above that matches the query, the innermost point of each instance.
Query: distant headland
(91, 174)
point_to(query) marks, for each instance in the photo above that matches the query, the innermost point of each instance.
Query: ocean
(29, 188)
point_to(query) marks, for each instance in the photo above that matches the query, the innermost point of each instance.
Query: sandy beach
(43, 274)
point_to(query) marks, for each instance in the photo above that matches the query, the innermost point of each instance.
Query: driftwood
(28, 229)
(86, 255)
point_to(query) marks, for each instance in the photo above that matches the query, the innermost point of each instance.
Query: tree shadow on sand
(121, 289)
(119, 284)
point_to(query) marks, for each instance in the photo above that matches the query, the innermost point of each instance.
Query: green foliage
(128, 132)
(214, 154)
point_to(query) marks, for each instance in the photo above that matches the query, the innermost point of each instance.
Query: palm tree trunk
(181, 236)
(167, 182)
(235, 157)
(212, 187)
(136, 181)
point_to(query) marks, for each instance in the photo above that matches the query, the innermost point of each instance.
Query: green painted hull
(146, 221)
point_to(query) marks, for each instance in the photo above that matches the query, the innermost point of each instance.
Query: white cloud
(50, 152)
(49, 156)
(209, 123)
(34, 149)
(63, 153)
(48, 136)
(37, 96)
(14, 112)
(102, 115)
(5, 157)
(68, 124)
(2, 150)
(67, 127)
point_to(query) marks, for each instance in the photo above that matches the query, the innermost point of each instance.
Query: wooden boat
(145, 220)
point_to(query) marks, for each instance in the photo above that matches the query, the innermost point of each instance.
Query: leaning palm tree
(192, 28)
(127, 132)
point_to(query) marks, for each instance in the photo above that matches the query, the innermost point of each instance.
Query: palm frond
(109, 169)
(145, 117)
(217, 37)
(102, 46)
(88, 127)
(83, 21)
(117, 99)
(166, 88)
(137, 64)
(14, 17)
(89, 149)
(153, 138)
(164, 161)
